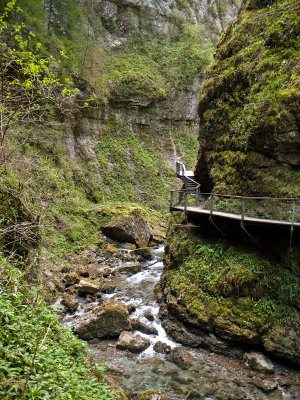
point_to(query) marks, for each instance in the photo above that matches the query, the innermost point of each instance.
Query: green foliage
(155, 67)
(29, 85)
(218, 284)
(39, 358)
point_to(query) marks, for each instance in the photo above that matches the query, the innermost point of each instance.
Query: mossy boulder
(107, 320)
(70, 302)
(131, 228)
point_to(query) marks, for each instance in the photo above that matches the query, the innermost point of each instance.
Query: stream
(207, 375)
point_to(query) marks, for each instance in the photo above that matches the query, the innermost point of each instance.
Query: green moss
(237, 295)
(250, 93)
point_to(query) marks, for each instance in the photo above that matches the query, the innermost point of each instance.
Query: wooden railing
(262, 208)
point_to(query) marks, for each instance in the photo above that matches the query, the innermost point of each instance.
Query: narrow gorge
(106, 291)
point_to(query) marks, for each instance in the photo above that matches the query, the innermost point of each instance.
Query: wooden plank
(237, 217)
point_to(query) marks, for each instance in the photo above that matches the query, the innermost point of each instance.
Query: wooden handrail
(243, 197)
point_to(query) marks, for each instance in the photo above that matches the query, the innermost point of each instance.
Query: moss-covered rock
(236, 295)
(131, 228)
(107, 320)
(249, 108)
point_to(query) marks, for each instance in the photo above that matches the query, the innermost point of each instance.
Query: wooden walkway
(191, 188)
(237, 217)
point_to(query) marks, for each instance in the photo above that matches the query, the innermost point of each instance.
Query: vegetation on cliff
(240, 297)
(249, 108)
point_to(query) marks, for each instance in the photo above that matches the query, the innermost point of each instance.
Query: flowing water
(209, 377)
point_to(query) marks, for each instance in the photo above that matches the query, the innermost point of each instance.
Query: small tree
(29, 86)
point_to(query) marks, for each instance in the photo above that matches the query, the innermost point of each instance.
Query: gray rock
(143, 325)
(259, 362)
(162, 348)
(131, 342)
(265, 385)
(88, 286)
(181, 357)
(107, 320)
(70, 302)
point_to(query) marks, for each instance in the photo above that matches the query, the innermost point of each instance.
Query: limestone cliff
(249, 108)
(226, 284)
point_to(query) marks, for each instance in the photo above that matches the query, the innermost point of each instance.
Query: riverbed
(201, 375)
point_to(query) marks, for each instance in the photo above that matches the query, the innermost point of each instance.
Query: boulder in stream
(107, 320)
(181, 357)
(259, 362)
(133, 343)
(88, 286)
(162, 348)
(143, 325)
(70, 302)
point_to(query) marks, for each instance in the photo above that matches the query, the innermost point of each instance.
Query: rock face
(248, 128)
(107, 320)
(133, 343)
(232, 320)
(131, 229)
(152, 111)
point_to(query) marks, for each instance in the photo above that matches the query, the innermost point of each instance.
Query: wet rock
(70, 302)
(180, 334)
(109, 250)
(71, 289)
(82, 271)
(181, 358)
(143, 325)
(131, 307)
(131, 228)
(90, 299)
(108, 288)
(259, 362)
(145, 253)
(148, 314)
(107, 320)
(162, 348)
(88, 286)
(131, 342)
(130, 268)
(265, 385)
(221, 347)
(71, 279)
(152, 395)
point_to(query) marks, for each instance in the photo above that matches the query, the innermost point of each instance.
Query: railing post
(185, 202)
(198, 196)
(292, 224)
(211, 205)
(243, 213)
